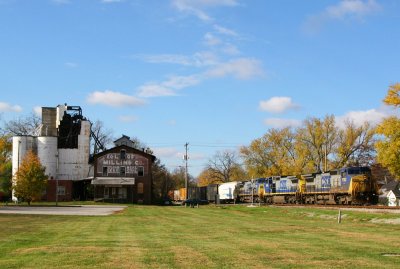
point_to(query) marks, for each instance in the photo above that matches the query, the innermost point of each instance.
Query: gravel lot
(85, 210)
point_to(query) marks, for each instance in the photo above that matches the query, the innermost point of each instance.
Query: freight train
(349, 185)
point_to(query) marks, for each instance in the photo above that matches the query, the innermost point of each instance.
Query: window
(122, 171)
(61, 190)
(140, 188)
(105, 171)
(140, 171)
(122, 155)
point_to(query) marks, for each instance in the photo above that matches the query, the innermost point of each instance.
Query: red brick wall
(51, 191)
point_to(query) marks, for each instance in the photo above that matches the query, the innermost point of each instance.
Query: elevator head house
(123, 174)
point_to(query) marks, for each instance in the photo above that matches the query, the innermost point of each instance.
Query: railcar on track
(349, 185)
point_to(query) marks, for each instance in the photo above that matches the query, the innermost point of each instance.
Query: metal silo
(47, 153)
(21, 145)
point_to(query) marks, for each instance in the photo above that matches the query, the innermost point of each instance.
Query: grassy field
(205, 237)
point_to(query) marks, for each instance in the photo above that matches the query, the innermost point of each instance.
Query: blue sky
(214, 73)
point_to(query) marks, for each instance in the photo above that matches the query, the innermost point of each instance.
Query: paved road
(85, 210)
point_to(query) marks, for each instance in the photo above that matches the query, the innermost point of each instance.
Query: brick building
(123, 174)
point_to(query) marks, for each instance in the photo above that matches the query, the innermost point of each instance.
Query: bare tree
(24, 125)
(224, 167)
(103, 135)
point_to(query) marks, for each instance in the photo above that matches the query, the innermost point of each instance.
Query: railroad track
(356, 207)
(338, 206)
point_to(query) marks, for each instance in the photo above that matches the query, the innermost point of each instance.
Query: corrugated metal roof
(113, 181)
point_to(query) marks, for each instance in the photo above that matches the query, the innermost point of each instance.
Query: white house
(393, 197)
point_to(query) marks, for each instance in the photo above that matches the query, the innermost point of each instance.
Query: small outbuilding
(390, 193)
(393, 197)
(123, 174)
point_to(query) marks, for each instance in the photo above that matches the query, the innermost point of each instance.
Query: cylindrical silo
(47, 153)
(21, 145)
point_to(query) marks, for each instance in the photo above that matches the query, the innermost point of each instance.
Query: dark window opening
(122, 155)
(105, 171)
(140, 171)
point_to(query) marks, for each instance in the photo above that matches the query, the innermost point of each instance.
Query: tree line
(318, 145)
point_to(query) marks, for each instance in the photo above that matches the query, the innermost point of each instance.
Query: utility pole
(186, 169)
(57, 168)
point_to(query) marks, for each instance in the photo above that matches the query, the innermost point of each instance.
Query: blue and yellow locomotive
(350, 185)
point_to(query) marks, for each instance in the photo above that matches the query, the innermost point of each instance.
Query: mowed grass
(205, 237)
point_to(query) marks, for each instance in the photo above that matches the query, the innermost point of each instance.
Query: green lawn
(205, 237)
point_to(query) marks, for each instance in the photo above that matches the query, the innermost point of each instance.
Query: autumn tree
(319, 136)
(205, 178)
(388, 146)
(30, 180)
(393, 96)
(278, 152)
(355, 145)
(5, 165)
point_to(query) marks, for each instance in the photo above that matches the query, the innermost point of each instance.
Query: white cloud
(225, 31)
(203, 3)
(344, 10)
(349, 8)
(128, 118)
(115, 99)
(278, 104)
(211, 40)
(282, 123)
(37, 110)
(196, 7)
(171, 153)
(154, 90)
(167, 153)
(241, 68)
(168, 87)
(198, 59)
(5, 107)
(373, 116)
(180, 82)
(230, 49)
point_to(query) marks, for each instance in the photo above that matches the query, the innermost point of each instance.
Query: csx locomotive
(350, 185)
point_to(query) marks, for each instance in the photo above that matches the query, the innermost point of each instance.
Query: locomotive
(349, 185)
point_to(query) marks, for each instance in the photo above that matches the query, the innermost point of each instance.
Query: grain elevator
(62, 143)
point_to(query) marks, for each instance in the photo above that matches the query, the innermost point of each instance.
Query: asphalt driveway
(84, 210)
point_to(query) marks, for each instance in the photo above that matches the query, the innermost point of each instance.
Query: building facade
(123, 174)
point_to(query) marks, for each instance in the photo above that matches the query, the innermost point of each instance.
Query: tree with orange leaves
(30, 180)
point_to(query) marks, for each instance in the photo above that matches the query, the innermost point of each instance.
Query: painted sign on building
(122, 164)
